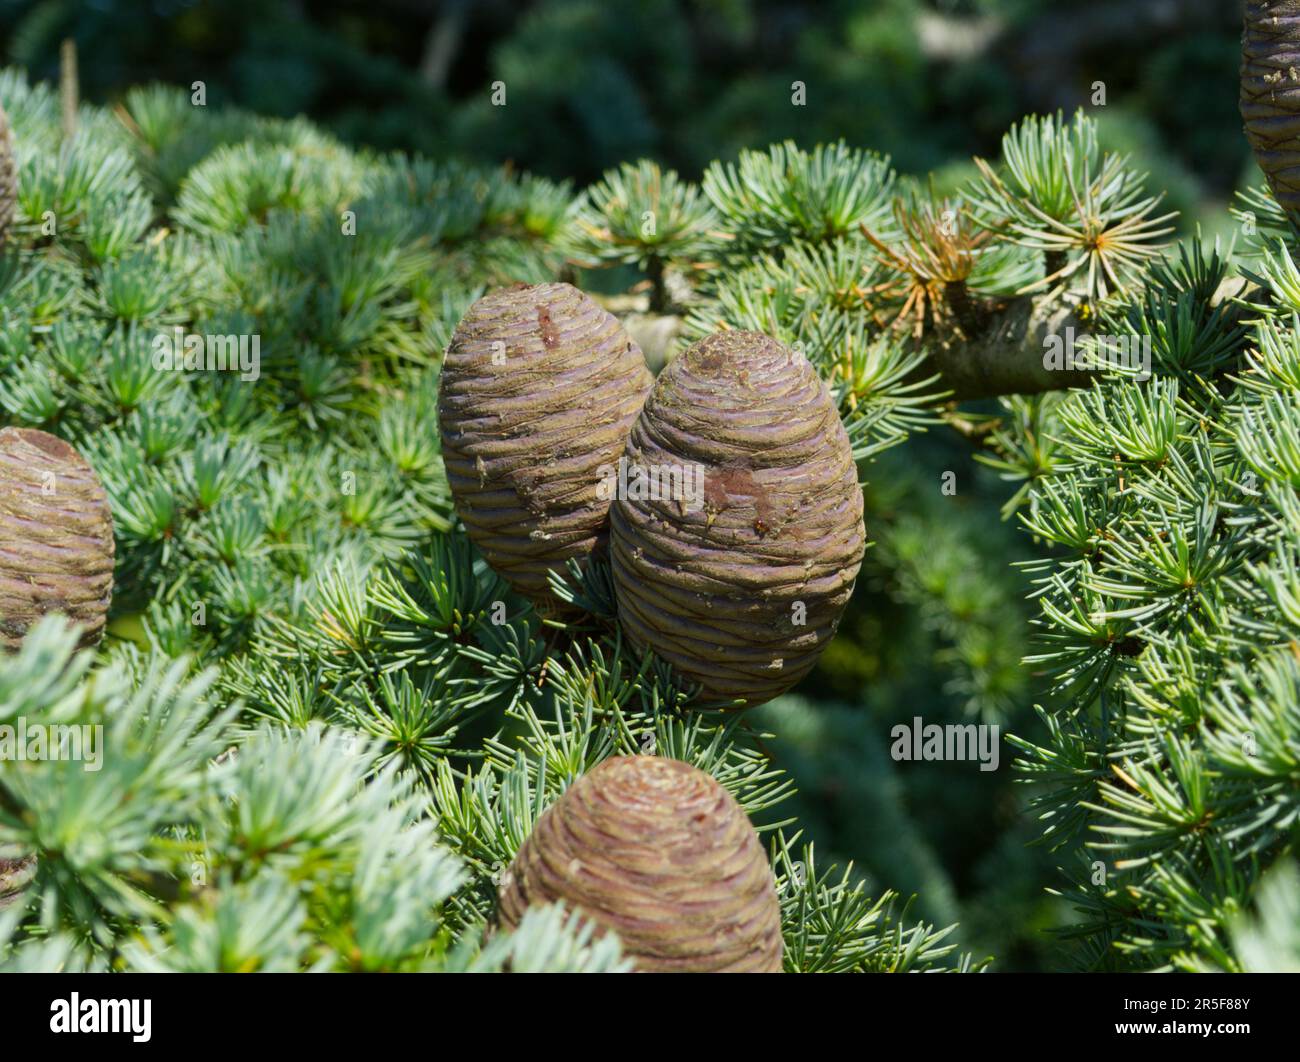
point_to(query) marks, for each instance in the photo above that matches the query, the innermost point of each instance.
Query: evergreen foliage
(327, 725)
(330, 725)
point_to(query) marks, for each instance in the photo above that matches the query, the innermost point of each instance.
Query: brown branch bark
(1007, 358)
(973, 312)
(442, 43)
(69, 86)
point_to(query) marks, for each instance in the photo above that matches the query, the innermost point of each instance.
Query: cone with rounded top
(15, 874)
(1270, 93)
(660, 853)
(739, 578)
(8, 177)
(56, 537)
(540, 388)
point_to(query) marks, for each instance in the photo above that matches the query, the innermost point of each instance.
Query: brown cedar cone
(540, 388)
(659, 852)
(739, 594)
(14, 877)
(56, 537)
(8, 178)
(1270, 93)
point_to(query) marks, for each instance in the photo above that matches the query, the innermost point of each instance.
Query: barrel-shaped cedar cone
(1270, 93)
(8, 177)
(14, 877)
(56, 537)
(540, 387)
(740, 581)
(657, 851)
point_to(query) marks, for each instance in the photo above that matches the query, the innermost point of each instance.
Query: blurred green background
(591, 83)
(940, 619)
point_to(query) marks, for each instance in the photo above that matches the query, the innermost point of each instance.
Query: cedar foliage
(328, 725)
(332, 726)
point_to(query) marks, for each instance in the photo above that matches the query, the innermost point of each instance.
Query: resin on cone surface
(56, 537)
(14, 877)
(740, 587)
(660, 853)
(1270, 93)
(540, 388)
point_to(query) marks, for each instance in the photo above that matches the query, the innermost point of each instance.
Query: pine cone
(741, 586)
(8, 178)
(56, 537)
(1270, 93)
(659, 852)
(540, 388)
